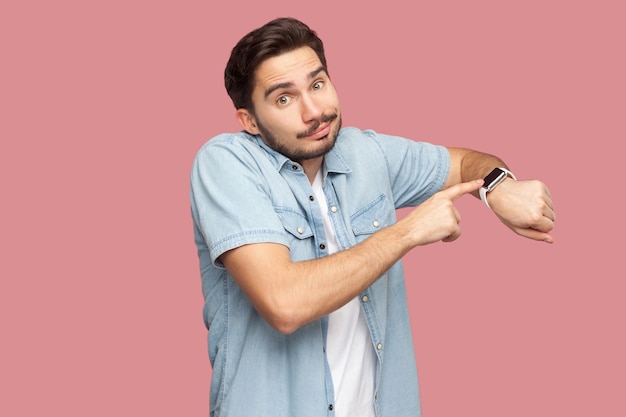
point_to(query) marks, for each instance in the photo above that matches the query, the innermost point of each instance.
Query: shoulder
(356, 142)
(228, 140)
(240, 146)
(352, 140)
(352, 135)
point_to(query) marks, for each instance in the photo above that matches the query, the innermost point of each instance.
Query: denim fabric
(243, 192)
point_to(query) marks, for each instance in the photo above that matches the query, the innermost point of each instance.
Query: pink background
(104, 104)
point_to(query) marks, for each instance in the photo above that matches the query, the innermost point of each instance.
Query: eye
(283, 100)
(317, 85)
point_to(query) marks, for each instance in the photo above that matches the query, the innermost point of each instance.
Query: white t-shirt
(349, 349)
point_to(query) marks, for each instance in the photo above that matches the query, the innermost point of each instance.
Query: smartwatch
(492, 180)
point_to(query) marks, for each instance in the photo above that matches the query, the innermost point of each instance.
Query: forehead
(290, 67)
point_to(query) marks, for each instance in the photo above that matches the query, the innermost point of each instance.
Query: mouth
(320, 132)
(320, 129)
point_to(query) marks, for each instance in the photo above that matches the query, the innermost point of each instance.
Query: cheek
(286, 119)
(332, 105)
(333, 97)
(280, 124)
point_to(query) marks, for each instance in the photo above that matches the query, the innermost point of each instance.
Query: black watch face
(492, 176)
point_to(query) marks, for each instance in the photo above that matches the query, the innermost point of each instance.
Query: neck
(311, 166)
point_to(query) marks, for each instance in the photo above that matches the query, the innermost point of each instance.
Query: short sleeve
(230, 197)
(417, 169)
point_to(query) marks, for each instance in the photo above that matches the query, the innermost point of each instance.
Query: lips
(322, 131)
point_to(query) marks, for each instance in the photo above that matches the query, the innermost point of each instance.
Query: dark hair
(272, 39)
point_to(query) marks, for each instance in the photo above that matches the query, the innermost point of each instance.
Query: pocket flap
(295, 223)
(372, 217)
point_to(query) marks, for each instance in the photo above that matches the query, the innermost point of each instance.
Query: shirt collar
(333, 160)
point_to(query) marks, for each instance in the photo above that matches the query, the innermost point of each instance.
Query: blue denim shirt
(243, 192)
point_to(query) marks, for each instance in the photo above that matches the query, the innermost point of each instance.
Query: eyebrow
(289, 84)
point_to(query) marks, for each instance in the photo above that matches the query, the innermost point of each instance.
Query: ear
(246, 120)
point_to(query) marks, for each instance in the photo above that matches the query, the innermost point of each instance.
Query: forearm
(467, 165)
(305, 291)
(290, 294)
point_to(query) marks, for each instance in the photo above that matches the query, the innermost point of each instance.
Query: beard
(299, 154)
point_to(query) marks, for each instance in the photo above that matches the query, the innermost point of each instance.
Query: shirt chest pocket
(294, 223)
(372, 217)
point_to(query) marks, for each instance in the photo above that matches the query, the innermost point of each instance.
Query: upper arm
(416, 170)
(261, 270)
(231, 202)
(468, 164)
(454, 174)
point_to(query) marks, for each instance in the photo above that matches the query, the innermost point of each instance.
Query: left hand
(525, 207)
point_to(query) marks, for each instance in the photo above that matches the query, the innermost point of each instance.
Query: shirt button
(365, 298)
(376, 224)
(322, 246)
(333, 209)
(294, 167)
(311, 198)
(330, 407)
(300, 230)
(379, 346)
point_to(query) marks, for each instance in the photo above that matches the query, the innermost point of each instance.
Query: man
(299, 246)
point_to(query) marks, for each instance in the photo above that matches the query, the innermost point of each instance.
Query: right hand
(437, 219)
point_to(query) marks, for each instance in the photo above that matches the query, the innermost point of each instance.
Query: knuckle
(535, 217)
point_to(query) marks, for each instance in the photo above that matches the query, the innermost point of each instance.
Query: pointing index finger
(457, 190)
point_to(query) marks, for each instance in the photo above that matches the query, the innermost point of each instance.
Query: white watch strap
(483, 191)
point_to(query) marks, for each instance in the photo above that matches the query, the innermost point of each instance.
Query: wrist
(496, 177)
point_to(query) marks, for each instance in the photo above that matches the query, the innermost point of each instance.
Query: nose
(311, 108)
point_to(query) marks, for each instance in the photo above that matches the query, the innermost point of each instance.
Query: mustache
(324, 119)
